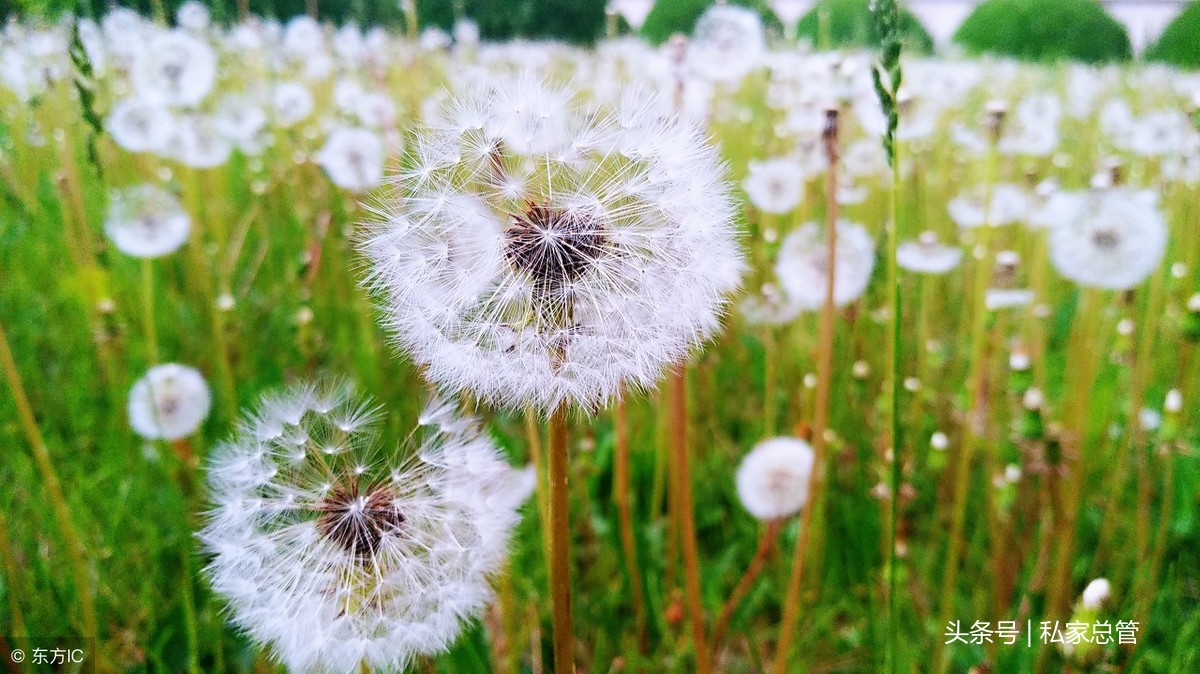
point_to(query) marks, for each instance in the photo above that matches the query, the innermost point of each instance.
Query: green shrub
(848, 23)
(1045, 30)
(1180, 42)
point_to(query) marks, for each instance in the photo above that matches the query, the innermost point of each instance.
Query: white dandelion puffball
(140, 126)
(1009, 204)
(803, 264)
(727, 42)
(772, 481)
(1096, 593)
(146, 221)
(341, 557)
(169, 402)
(292, 103)
(174, 68)
(1116, 240)
(775, 185)
(540, 252)
(353, 158)
(927, 255)
(996, 299)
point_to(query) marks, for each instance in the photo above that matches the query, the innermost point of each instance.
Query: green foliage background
(1180, 42)
(848, 23)
(1045, 30)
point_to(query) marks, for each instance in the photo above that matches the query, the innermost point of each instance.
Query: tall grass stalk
(816, 482)
(887, 76)
(193, 197)
(53, 487)
(11, 580)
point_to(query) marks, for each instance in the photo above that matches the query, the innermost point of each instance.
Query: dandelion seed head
(939, 441)
(1096, 593)
(544, 251)
(146, 221)
(803, 262)
(169, 402)
(772, 480)
(336, 554)
(174, 68)
(353, 158)
(140, 126)
(727, 42)
(927, 255)
(775, 185)
(1116, 240)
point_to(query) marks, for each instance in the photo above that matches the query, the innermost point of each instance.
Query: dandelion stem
(54, 492)
(770, 380)
(1146, 594)
(816, 480)
(621, 495)
(1084, 364)
(560, 541)
(766, 544)
(689, 549)
(148, 311)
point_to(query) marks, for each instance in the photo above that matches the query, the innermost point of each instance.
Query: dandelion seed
(338, 560)
(169, 402)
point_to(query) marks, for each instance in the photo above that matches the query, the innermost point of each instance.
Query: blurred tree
(848, 23)
(679, 16)
(1045, 30)
(579, 21)
(1180, 42)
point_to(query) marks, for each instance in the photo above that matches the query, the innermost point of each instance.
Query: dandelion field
(269, 204)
